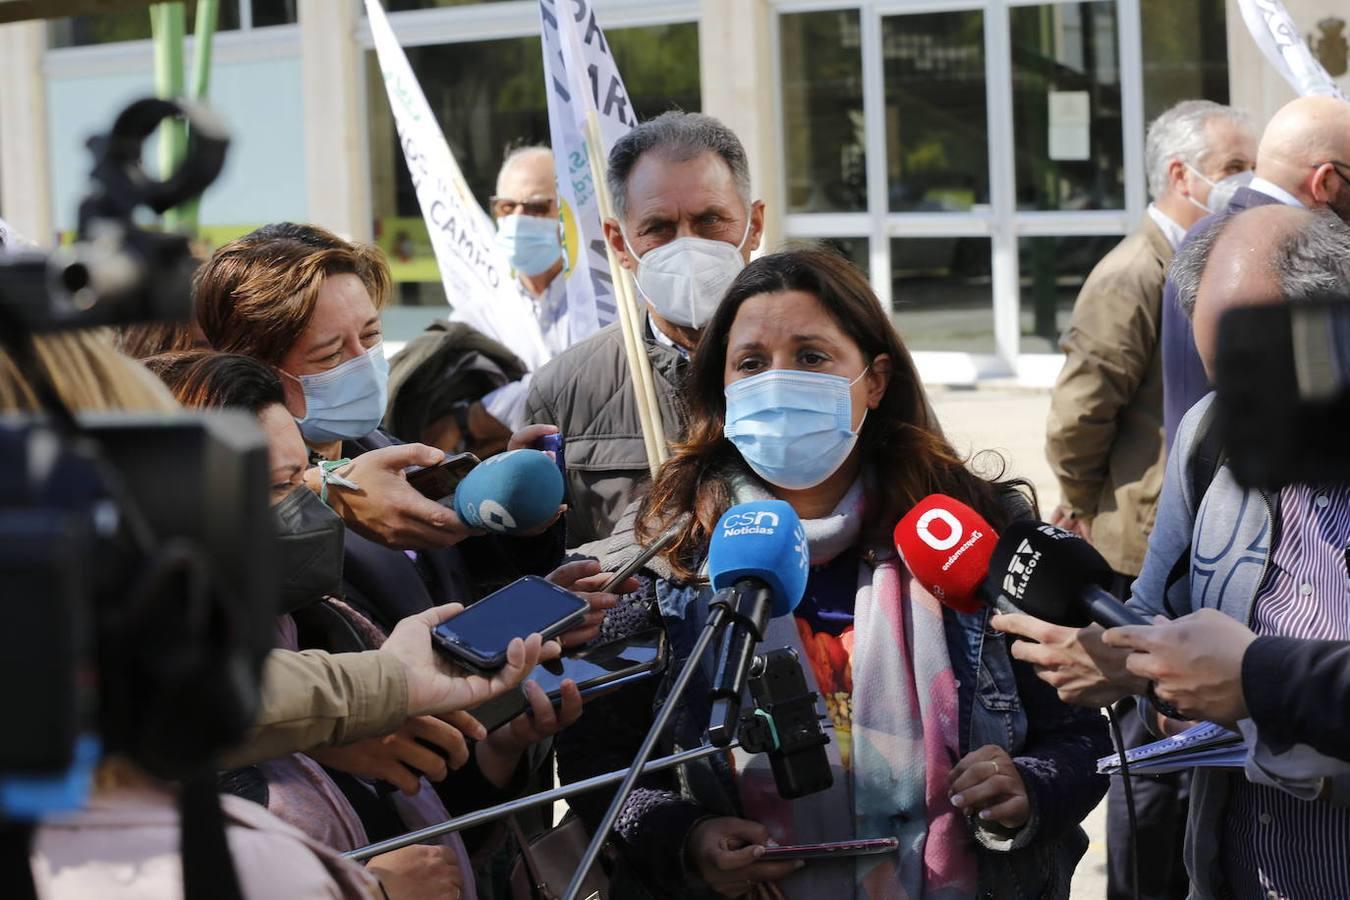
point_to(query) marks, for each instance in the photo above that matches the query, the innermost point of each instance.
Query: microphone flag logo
(953, 529)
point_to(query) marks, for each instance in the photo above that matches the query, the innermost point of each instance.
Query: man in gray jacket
(1274, 560)
(685, 226)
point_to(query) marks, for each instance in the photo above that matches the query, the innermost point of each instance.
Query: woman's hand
(726, 851)
(386, 508)
(585, 578)
(499, 755)
(437, 687)
(987, 784)
(527, 437)
(419, 872)
(403, 757)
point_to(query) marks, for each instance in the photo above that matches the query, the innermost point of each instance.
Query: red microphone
(947, 546)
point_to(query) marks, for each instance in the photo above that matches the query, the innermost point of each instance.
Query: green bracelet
(328, 475)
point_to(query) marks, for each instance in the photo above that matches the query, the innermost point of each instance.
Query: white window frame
(1000, 221)
(516, 19)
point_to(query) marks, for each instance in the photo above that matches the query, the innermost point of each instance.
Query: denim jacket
(1231, 532)
(1055, 747)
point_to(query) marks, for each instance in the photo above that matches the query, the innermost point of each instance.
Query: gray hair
(1188, 265)
(1308, 261)
(679, 137)
(515, 154)
(1314, 259)
(1180, 133)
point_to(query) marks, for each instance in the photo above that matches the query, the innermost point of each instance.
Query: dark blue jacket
(1184, 378)
(1298, 692)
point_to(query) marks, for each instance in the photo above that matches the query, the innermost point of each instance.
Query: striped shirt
(1278, 846)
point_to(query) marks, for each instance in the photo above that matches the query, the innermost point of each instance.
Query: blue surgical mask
(347, 402)
(531, 243)
(795, 429)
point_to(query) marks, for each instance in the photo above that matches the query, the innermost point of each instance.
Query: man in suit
(1303, 161)
(1104, 438)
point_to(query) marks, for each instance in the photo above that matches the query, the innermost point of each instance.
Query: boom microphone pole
(501, 810)
(764, 540)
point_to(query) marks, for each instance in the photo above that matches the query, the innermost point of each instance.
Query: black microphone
(1055, 576)
(749, 605)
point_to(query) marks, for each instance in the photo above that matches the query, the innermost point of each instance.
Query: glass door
(977, 157)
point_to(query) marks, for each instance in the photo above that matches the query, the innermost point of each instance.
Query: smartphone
(596, 670)
(634, 565)
(440, 481)
(478, 637)
(835, 850)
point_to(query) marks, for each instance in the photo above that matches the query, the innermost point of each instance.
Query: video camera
(1282, 378)
(136, 550)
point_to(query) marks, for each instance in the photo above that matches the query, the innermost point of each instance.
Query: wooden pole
(630, 320)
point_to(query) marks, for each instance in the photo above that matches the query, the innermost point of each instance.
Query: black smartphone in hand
(440, 481)
(597, 670)
(478, 637)
(832, 850)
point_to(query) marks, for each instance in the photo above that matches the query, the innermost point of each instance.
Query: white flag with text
(478, 280)
(1280, 42)
(580, 75)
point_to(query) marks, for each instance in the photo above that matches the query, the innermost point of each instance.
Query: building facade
(975, 157)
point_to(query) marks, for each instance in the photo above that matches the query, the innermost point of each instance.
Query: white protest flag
(1280, 42)
(597, 106)
(477, 277)
(590, 288)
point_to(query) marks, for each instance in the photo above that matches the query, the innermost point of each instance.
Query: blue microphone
(758, 560)
(512, 492)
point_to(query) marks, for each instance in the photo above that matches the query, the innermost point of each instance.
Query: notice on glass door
(1070, 121)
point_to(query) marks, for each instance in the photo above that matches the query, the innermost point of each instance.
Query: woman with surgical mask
(304, 301)
(307, 303)
(802, 391)
(301, 789)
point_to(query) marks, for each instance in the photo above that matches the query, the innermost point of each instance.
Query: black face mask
(310, 559)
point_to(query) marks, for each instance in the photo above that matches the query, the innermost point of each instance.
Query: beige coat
(316, 699)
(1104, 438)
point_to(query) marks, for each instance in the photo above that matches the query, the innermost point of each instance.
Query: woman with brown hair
(802, 390)
(308, 303)
(310, 791)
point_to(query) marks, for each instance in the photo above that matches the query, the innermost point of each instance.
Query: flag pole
(639, 365)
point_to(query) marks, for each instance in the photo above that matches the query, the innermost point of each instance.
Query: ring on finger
(994, 763)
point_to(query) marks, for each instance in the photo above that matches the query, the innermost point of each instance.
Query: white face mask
(1220, 192)
(685, 280)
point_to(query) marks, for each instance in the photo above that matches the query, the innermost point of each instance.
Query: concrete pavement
(1011, 421)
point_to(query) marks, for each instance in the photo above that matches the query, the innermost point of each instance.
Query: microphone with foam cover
(1057, 577)
(758, 561)
(512, 492)
(946, 546)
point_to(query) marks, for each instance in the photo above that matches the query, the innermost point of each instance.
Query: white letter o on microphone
(932, 540)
